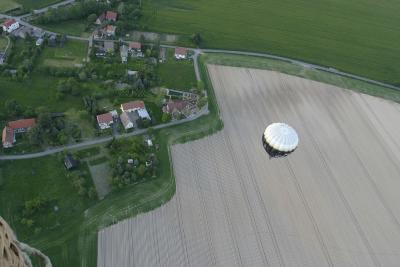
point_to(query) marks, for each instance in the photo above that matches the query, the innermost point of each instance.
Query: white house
(10, 25)
(105, 120)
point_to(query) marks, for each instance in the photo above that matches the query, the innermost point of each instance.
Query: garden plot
(101, 174)
(333, 202)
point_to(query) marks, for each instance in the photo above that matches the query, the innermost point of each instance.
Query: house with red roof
(14, 127)
(136, 106)
(110, 30)
(111, 16)
(105, 120)
(10, 25)
(180, 53)
(177, 107)
(135, 47)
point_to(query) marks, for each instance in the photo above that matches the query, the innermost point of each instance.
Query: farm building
(14, 127)
(105, 120)
(180, 53)
(10, 25)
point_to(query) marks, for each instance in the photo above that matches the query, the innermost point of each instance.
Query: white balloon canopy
(281, 137)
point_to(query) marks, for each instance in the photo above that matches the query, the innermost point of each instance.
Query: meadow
(71, 27)
(72, 54)
(6, 5)
(359, 36)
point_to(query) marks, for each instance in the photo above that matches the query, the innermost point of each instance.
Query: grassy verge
(316, 75)
(35, 4)
(6, 5)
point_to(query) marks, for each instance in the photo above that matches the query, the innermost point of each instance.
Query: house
(177, 107)
(21, 126)
(124, 53)
(143, 114)
(10, 25)
(14, 127)
(109, 46)
(132, 106)
(109, 30)
(69, 162)
(111, 16)
(8, 137)
(129, 119)
(105, 120)
(162, 57)
(135, 47)
(180, 53)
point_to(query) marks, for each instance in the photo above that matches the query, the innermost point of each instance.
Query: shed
(69, 162)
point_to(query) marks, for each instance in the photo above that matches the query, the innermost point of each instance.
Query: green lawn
(72, 54)
(35, 4)
(359, 36)
(177, 74)
(46, 178)
(38, 91)
(3, 43)
(70, 27)
(6, 5)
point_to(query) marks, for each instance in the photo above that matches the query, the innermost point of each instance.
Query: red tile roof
(133, 105)
(180, 51)
(8, 135)
(111, 15)
(176, 105)
(135, 45)
(22, 124)
(105, 118)
(9, 22)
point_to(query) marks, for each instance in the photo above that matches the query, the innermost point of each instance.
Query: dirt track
(334, 202)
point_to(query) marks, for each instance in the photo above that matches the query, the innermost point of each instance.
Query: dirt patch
(101, 175)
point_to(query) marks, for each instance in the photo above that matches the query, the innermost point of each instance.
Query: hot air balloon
(279, 140)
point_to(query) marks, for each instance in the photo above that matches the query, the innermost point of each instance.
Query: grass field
(6, 5)
(35, 4)
(45, 177)
(72, 54)
(177, 74)
(359, 36)
(70, 27)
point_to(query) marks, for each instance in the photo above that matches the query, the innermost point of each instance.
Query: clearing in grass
(73, 54)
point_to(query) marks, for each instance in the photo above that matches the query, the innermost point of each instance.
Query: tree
(196, 39)
(91, 18)
(166, 117)
(12, 108)
(202, 101)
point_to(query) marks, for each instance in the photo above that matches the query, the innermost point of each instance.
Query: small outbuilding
(70, 162)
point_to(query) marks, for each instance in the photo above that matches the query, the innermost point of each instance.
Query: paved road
(101, 140)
